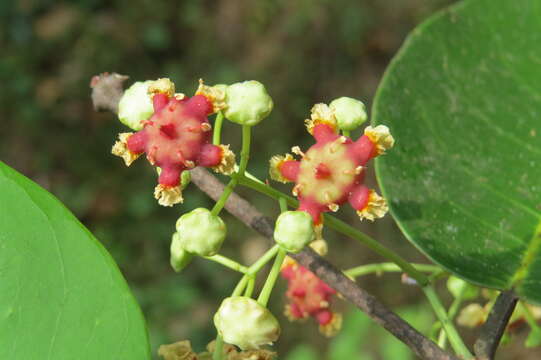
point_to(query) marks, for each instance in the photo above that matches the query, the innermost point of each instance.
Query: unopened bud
(459, 288)
(348, 112)
(135, 106)
(242, 321)
(180, 258)
(294, 230)
(201, 232)
(247, 103)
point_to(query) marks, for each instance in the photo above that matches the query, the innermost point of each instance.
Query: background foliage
(304, 51)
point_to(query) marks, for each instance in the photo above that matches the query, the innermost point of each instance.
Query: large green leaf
(463, 100)
(61, 294)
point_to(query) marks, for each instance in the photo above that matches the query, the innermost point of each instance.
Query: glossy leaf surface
(61, 294)
(463, 100)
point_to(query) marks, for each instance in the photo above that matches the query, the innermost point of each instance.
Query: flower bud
(294, 230)
(201, 232)
(180, 258)
(247, 103)
(348, 112)
(242, 321)
(459, 288)
(472, 315)
(185, 179)
(135, 106)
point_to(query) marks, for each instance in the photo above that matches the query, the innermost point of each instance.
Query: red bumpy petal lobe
(159, 101)
(210, 155)
(324, 133)
(312, 208)
(137, 142)
(288, 272)
(363, 150)
(296, 311)
(300, 293)
(290, 169)
(170, 175)
(325, 290)
(359, 197)
(323, 317)
(198, 106)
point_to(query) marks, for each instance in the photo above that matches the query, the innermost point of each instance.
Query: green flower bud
(180, 258)
(242, 321)
(247, 103)
(348, 112)
(135, 105)
(294, 230)
(200, 232)
(185, 179)
(459, 288)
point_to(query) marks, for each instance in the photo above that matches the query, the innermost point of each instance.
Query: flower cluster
(309, 296)
(174, 132)
(175, 137)
(331, 172)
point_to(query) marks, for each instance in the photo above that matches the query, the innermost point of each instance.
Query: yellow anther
(167, 195)
(161, 86)
(380, 137)
(120, 148)
(227, 163)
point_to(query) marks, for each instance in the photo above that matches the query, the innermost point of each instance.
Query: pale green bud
(459, 288)
(242, 321)
(180, 258)
(348, 112)
(185, 179)
(201, 232)
(135, 105)
(247, 103)
(294, 230)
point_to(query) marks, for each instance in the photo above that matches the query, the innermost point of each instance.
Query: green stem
(218, 348)
(454, 338)
(387, 267)
(217, 131)
(283, 204)
(240, 286)
(227, 262)
(258, 265)
(453, 309)
(346, 133)
(244, 156)
(343, 228)
(265, 293)
(225, 195)
(250, 287)
(245, 150)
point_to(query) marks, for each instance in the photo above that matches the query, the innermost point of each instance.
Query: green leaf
(463, 100)
(61, 294)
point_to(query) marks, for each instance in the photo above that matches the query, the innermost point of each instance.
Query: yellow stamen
(168, 195)
(375, 208)
(227, 163)
(120, 148)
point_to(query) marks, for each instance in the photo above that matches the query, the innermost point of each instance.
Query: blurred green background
(303, 51)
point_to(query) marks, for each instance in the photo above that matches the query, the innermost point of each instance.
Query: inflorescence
(175, 133)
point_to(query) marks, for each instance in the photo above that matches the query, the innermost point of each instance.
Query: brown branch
(491, 333)
(249, 215)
